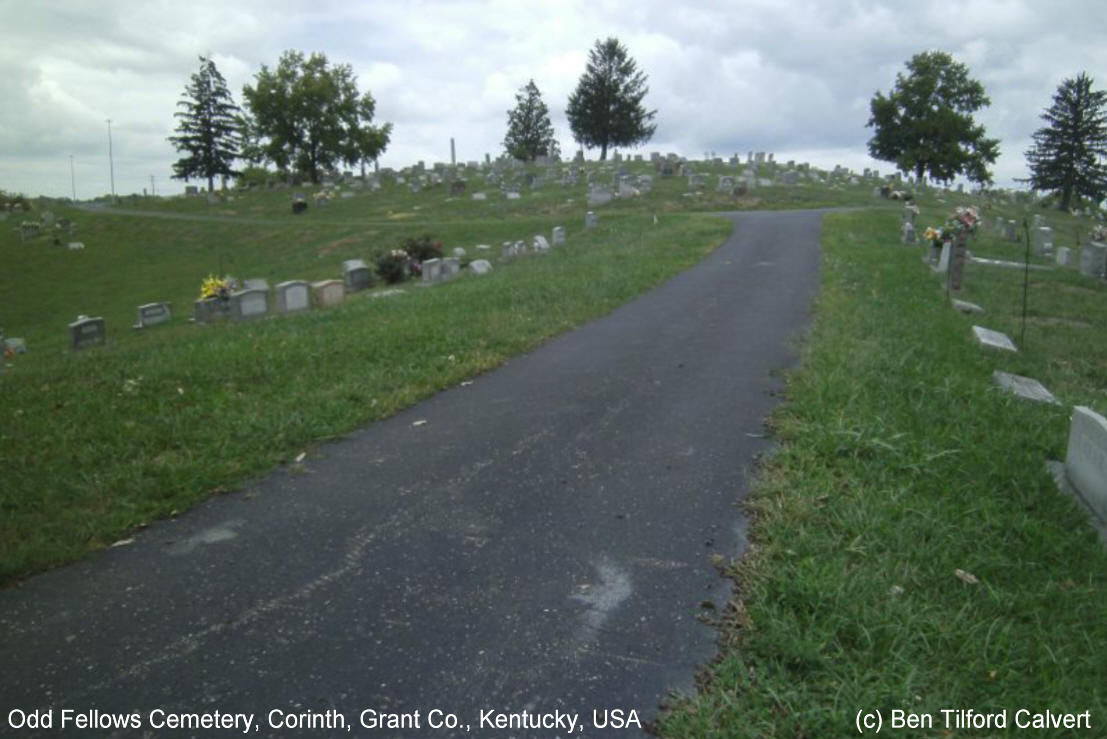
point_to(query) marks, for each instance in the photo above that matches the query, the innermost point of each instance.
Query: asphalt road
(540, 544)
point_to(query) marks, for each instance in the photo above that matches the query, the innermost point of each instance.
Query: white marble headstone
(1086, 459)
(1024, 387)
(994, 339)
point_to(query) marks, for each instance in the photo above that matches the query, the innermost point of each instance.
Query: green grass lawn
(899, 466)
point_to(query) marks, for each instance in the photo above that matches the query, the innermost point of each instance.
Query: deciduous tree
(925, 124)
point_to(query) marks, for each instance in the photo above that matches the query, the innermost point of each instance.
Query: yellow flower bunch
(932, 234)
(214, 287)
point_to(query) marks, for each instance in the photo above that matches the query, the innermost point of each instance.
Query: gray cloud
(791, 77)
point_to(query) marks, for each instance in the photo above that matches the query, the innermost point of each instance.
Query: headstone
(480, 266)
(1093, 259)
(207, 310)
(1043, 240)
(540, 243)
(86, 332)
(908, 234)
(590, 220)
(326, 293)
(599, 196)
(48, 219)
(357, 275)
(293, 296)
(966, 307)
(1063, 256)
(507, 251)
(558, 235)
(151, 314)
(790, 178)
(994, 339)
(431, 271)
(15, 345)
(255, 283)
(943, 258)
(75, 246)
(512, 195)
(479, 196)
(451, 266)
(1086, 458)
(1011, 233)
(249, 303)
(459, 251)
(1024, 387)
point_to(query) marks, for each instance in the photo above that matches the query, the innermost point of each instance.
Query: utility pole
(111, 162)
(72, 178)
(153, 192)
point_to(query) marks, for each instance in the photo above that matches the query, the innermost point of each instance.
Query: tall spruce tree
(925, 125)
(209, 127)
(529, 131)
(1068, 153)
(606, 107)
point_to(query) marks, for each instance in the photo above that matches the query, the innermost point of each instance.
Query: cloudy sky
(792, 77)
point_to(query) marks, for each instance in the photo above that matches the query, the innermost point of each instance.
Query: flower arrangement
(218, 287)
(961, 220)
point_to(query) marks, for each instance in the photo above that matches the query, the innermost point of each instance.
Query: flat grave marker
(1023, 387)
(994, 339)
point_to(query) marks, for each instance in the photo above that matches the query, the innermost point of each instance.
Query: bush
(422, 248)
(393, 266)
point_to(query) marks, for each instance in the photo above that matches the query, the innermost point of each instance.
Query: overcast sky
(792, 77)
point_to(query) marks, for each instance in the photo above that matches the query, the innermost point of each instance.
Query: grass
(100, 441)
(899, 466)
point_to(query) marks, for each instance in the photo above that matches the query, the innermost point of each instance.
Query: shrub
(393, 266)
(422, 248)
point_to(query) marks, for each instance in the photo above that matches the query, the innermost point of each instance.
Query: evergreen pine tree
(529, 131)
(1067, 155)
(209, 127)
(606, 108)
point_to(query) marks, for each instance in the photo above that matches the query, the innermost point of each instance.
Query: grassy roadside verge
(899, 466)
(97, 442)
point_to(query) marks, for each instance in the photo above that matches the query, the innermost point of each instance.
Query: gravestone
(558, 235)
(993, 339)
(255, 283)
(943, 258)
(356, 274)
(151, 314)
(590, 220)
(457, 187)
(15, 345)
(790, 178)
(86, 332)
(451, 267)
(48, 219)
(326, 293)
(511, 195)
(207, 310)
(965, 306)
(480, 266)
(540, 243)
(249, 303)
(1043, 240)
(599, 196)
(1023, 387)
(75, 246)
(1086, 458)
(507, 251)
(479, 196)
(431, 269)
(908, 234)
(1011, 232)
(293, 296)
(1063, 256)
(1093, 259)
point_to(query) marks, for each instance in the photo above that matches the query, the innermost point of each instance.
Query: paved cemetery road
(537, 541)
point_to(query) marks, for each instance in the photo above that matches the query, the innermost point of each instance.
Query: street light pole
(111, 162)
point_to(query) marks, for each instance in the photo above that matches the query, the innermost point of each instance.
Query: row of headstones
(539, 244)
(1084, 471)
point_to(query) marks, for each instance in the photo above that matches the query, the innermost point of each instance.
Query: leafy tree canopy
(925, 125)
(307, 116)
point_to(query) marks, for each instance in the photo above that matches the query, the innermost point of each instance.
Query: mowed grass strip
(900, 466)
(99, 441)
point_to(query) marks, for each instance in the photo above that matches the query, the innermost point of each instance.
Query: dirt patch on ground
(330, 247)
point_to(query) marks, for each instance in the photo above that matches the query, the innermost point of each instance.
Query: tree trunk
(211, 183)
(1066, 197)
(603, 151)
